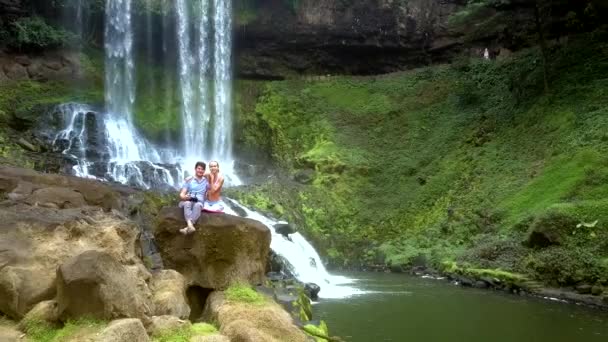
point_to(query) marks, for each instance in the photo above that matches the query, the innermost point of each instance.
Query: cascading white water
(206, 81)
(204, 65)
(120, 67)
(304, 260)
(222, 133)
(125, 145)
(75, 134)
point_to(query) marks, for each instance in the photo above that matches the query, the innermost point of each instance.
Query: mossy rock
(550, 229)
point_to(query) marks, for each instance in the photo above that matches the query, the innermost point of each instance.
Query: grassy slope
(450, 162)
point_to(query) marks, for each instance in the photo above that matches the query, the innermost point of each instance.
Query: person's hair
(201, 164)
(215, 161)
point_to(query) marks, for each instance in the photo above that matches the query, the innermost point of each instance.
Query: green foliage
(302, 306)
(186, 333)
(317, 331)
(32, 33)
(43, 332)
(243, 293)
(446, 163)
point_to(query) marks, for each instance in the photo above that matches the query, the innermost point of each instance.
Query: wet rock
(285, 228)
(237, 209)
(583, 289)
(480, 284)
(597, 290)
(312, 290)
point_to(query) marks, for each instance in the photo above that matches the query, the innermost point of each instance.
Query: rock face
(252, 323)
(94, 284)
(345, 37)
(224, 248)
(57, 65)
(48, 219)
(169, 294)
(124, 330)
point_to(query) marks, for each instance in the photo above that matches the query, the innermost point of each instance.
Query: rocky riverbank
(71, 249)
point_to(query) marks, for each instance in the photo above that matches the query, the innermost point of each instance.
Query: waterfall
(106, 144)
(206, 106)
(74, 137)
(303, 259)
(222, 137)
(120, 67)
(204, 30)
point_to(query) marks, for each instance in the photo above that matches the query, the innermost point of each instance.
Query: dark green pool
(411, 309)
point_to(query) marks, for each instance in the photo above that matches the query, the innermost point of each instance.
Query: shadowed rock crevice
(197, 298)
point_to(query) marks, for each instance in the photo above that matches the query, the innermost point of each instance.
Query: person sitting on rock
(216, 181)
(193, 195)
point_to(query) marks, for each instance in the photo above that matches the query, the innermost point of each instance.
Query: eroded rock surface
(224, 249)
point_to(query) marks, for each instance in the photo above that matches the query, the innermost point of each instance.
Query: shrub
(33, 33)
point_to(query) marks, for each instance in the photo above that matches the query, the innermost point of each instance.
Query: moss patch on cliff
(450, 162)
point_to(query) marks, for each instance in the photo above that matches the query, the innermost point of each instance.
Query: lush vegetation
(186, 333)
(72, 330)
(461, 163)
(243, 293)
(34, 33)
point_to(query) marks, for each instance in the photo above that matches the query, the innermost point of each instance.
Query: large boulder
(95, 284)
(35, 240)
(124, 330)
(47, 312)
(224, 249)
(169, 294)
(246, 322)
(158, 325)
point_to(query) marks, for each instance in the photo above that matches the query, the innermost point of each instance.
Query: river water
(398, 307)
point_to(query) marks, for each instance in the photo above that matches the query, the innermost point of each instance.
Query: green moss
(203, 329)
(43, 332)
(243, 293)
(553, 185)
(186, 333)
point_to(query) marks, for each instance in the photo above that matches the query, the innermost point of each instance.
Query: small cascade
(73, 140)
(84, 143)
(304, 261)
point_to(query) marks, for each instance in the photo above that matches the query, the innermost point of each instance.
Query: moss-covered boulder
(224, 249)
(246, 315)
(550, 229)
